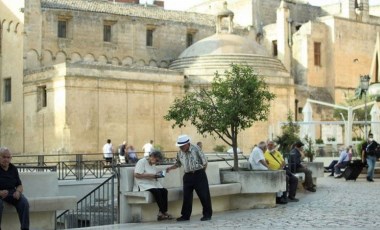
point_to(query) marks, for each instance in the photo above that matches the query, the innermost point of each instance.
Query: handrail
(84, 213)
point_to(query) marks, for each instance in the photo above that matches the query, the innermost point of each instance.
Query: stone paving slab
(337, 204)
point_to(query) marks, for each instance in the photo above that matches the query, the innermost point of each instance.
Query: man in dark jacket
(296, 154)
(369, 154)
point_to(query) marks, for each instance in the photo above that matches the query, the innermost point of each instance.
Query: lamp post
(364, 85)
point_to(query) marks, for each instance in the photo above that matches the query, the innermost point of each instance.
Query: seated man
(11, 188)
(146, 175)
(295, 166)
(132, 156)
(344, 159)
(275, 161)
(257, 159)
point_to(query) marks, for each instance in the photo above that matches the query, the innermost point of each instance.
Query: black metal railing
(85, 166)
(95, 209)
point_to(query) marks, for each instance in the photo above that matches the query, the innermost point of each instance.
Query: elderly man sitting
(11, 188)
(344, 159)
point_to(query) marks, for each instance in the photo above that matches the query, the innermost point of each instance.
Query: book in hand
(160, 174)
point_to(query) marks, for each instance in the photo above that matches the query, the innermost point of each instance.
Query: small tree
(232, 104)
(289, 135)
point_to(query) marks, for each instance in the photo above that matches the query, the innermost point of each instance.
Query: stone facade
(70, 93)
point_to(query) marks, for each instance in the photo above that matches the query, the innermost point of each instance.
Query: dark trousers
(291, 184)
(308, 177)
(22, 207)
(161, 197)
(196, 181)
(331, 166)
(339, 166)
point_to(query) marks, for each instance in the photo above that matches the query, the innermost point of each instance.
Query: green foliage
(319, 141)
(359, 148)
(309, 148)
(158, 147)
(289, 135)
(232, 104)
(220, 148)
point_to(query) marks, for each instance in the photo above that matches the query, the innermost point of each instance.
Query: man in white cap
(194, 163)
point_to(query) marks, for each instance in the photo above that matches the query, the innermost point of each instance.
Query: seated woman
(146, 175)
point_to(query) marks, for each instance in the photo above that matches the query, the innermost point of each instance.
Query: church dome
(219, 51)
(221, 44)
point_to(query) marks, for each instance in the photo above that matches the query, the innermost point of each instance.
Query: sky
(183, 4)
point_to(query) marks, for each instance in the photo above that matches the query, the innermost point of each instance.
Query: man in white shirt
(108, 152)
(148, 148)
(257, 159)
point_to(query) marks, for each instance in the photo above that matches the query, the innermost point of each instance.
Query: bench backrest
(39, 184)
(173, 179)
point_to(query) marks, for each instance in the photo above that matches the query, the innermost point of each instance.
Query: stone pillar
(348, 9)
(283, 35)
(364, 10)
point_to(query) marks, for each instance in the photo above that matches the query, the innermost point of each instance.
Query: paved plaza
(337, 204)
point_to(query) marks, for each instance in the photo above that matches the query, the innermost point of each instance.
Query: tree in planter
(231, 104)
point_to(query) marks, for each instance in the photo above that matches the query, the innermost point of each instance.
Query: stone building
(77, 72)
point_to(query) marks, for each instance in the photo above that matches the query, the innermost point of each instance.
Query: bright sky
(183, 4)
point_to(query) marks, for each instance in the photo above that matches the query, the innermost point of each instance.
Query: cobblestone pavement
(337, 204)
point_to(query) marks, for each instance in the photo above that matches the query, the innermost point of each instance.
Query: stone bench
(316, 168)
(41, 190)
(225, 195)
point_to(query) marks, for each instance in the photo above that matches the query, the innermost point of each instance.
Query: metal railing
(67, 166)
(95, 209)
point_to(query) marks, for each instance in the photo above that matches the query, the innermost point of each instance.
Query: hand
(3, 193)
(17, 195)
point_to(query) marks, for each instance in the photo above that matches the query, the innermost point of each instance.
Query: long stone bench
(41, 190)
(141, 206)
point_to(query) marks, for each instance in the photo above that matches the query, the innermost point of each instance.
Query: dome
(220, 50)
(221, 44)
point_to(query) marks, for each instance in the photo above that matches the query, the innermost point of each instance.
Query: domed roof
(218, 51)
(222, 44)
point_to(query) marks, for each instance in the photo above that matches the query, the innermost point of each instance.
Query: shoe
(292, 199)
(161, 217)
(206, 218)
(182, 219)
(331, 175)
(337, 176)
(311, 189)
(281, 201)
(370, 180)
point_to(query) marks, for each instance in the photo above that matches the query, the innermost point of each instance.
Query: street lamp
(364, 85)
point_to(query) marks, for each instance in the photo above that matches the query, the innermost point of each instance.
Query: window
(189, 39)
(62, 28)
(149, 37)
(107, 33)
(274, 48)
(41, 97)
(317, 53)
(7, 90)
